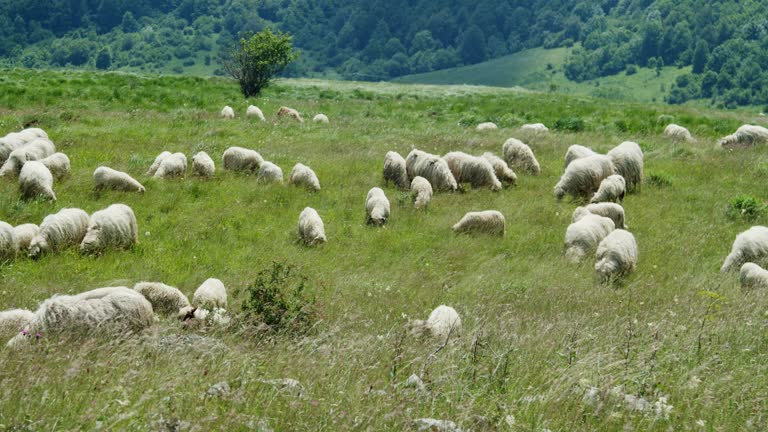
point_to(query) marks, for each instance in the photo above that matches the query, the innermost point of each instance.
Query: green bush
(745, 207)
(572, 124)
(659, 180)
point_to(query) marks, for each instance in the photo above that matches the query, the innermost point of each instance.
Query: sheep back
(616, 254)
(488, 221)
(311, 228)
(114, 227)
(108, 178)
(303, 175)
(60, 230)
(395, 170)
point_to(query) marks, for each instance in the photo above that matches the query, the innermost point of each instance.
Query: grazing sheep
(311, 229)
(616, 255)
(394, 170)
(303, 175)
(677, 133)
(156, 164)
(471, 169)
(444, 321)
(102, 310)
(269, 172)
(585, 234)
(613, 211)
(290, 112)
(202, 165)
(57, 164)
(583, 176)
(488, 221)
(107, 178)
(421, 191)
(611, 189)
(227, 112)
(376, 207)
(320, 118)
(753, 276)
(577, 152)
(749, 246)
(114, 227)
(196, 316)
(254, 111)
(165, 299)
(9, 244)
(24, 235)
(36, 180)
(174, 165)
(745, 136)
(58, 231)
(242, 159)
(35, 150)
(519, 156)
(627, 159)
(13, 321)
(431, 167)
(211, 294)
(534, 127)
(14, 140)
(486, 126)
(502, 170)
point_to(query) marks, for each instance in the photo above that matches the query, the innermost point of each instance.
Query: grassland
(538, 333)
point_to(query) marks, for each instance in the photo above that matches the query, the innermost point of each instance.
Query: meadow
(545, 346)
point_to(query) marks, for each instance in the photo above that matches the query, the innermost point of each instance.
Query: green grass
(537, 331)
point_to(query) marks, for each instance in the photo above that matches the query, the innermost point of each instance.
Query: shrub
(573, 124)
(745, 207)
(659, 180)
(257, 58)
(631, 69)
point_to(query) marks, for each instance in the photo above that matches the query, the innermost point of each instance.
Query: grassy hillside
(544, 344)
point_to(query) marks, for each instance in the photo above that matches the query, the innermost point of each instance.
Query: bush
(745, 207)
(659, 180)
(631, 69)
(573, 124)
(257, 58)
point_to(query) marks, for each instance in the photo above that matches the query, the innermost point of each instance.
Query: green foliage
(659, 180)
(571, 124)
(746, 207)
(258, 58)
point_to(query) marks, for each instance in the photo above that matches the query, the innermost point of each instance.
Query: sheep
(519, 156)
(102, 310)
(577, 151)
(13, 321)
(616, 255)
(197, 316)
(15, 140)
(254, 111)
(202, 165)
(107, 178)
(611, 189)
(57, 164)
(113, 227)
(242, 159)
(311, 229)
(376, 207)
(35, 132)
(585, 234)
(503, 172)
(9, 244)
(613, 211)
(475, 170)
(211, 294)
(227, 112)
(421, 191)
(486, 126)
(677, 133)
(394, 170)
(534, 127)
(174, 165)
(165, 299)
(488, 221)
(24, 234)
(320, 118)
(443, 322)
(752, 276)
(36, 180)
(290, 112)
(431, 167)
(627, 159)
(750, 245)
(303, 175)
(269, 172)
(37, 149)
(583, 176)
(745, 136)
(58, 231)
(156, 164)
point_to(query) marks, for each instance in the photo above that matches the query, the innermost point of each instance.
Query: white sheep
(745, 136)
(156, 164)
(444, 321)
(174, 165)
(36, 149)
(113, 227)
(242, 159)
(678, 133)
(488, 221)
(627, 159)
(211, 294)
(431, 167)
(320, 118)
(583, 176)
(196, 316)
(165, 299)
(376, 207)
(421, 191)
(254, 111)
(59, 230)
(57, 164)
(108, 178)
(613, 211)
(585, 234)
(227, 112)
(36, 180)
(577, 151)
(753, 276)
(290, 112)
(612, 189)
(749, 246)
(486, 126)
(13, 321)
(303, 175)
(24, 235)
(394, 170)
(202, 165)
(311, 229)
(270, 173)
(14, 140)
(502, 170)
(102, 310)
(519, 156)
(616, 255)
(35, 132)
(472, 169)
(534, 127)
(9, 244)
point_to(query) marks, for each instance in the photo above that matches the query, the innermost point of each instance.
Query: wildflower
(38, 335)
(25, 332)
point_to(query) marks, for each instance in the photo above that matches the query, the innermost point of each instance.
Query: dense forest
(725, 42)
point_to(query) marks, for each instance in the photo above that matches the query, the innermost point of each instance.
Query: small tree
(257, 58)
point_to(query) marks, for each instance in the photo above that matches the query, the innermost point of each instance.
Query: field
(544, 346)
